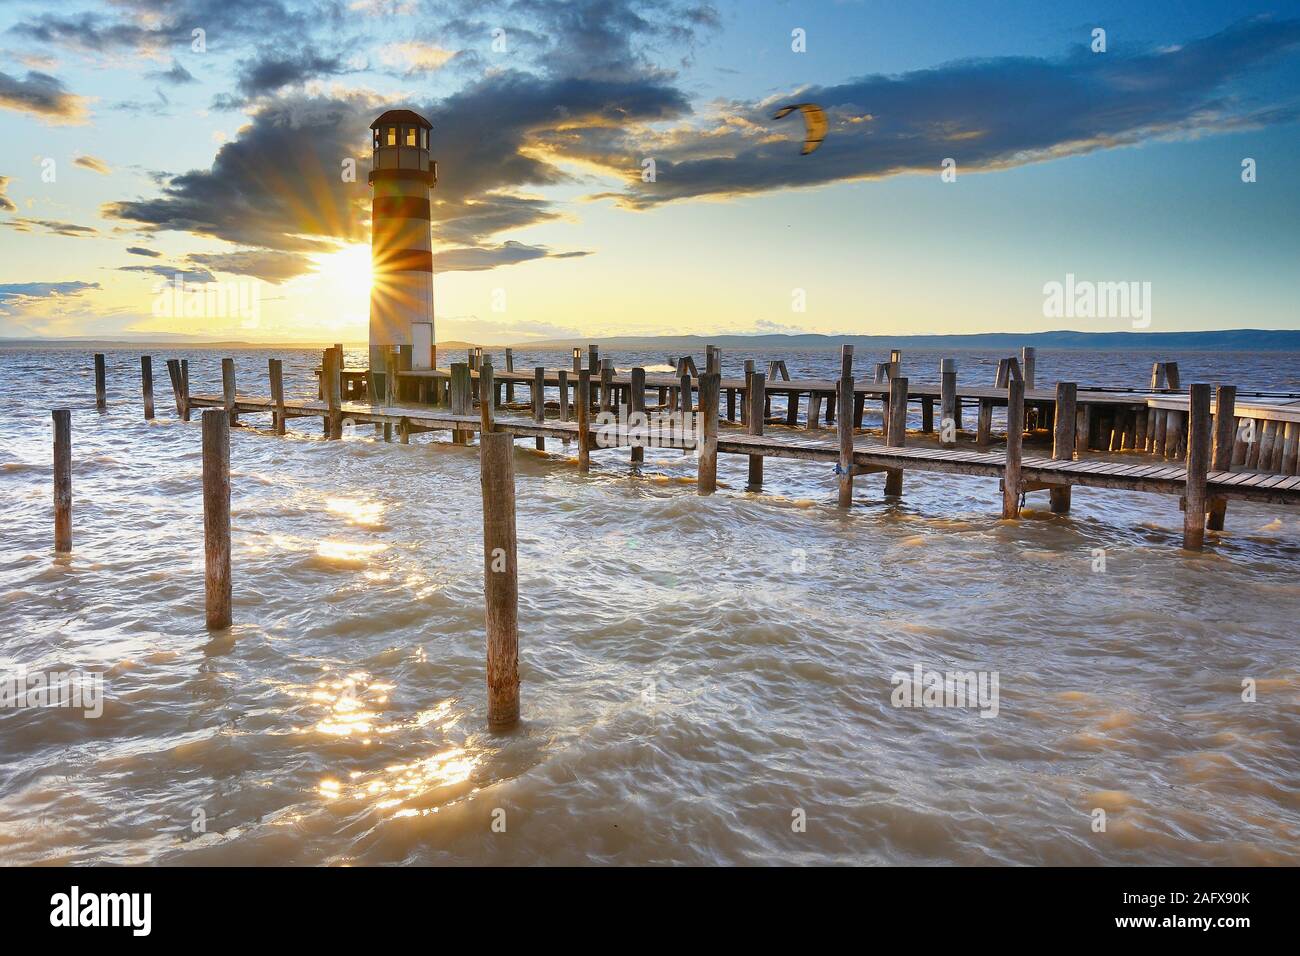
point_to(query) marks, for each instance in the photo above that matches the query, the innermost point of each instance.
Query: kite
(814, 119)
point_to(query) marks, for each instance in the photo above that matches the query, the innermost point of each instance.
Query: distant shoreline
(1235, 340)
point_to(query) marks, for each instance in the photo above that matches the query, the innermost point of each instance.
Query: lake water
(704, 680)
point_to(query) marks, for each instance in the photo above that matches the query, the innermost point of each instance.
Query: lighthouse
(401, 250)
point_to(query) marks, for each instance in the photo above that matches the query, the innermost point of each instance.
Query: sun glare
(347, 270)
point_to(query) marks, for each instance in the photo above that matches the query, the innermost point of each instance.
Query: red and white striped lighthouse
(401, 249)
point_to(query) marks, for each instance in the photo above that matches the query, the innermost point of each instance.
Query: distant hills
(1250, 340)
(1237, 340)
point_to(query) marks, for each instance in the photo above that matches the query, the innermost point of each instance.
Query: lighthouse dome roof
(397, 117)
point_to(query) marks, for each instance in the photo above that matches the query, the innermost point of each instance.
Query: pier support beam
(228, 387)
(1198, 466)
(1225, 421)
(275, 371)
(707, 433)
(500, 578)
(1067, 394)
(584, 420)
(216, 517)
(896, 431)
(845, 431)
(101, 387)
(62, 479)
(146, 385)
(539, 402)
(754, 400)
(636, 402)
(1015, 438)
(948, 401)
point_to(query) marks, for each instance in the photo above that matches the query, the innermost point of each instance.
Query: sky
(976, 153)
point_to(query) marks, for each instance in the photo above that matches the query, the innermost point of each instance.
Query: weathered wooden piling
(896, 430)
(744, 402)
(685, 395)
(1225, 421)
(948, 401)
(62, 478)
(1198, 466)
(101, 387)
(562, 380)
(228, 388)
(1063, 439)
(707, 433)
(1028, 358)
(584, 420)
(275, 372)
(636, 403)
(146, 385)
(332, 384)
(460, 398)
(216, 516)
(500, 578)
(606, 385)
(185, 390)
(486, 386)
(845, 431)
(1015, 439)
(539, 402)
(754, 404)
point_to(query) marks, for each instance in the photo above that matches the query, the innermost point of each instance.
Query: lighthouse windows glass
(391, 139)
(410, 135)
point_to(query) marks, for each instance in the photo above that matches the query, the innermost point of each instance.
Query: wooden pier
(1159, 425)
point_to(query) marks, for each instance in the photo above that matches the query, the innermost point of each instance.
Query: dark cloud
(43, 290)
(42, 95)
(141, 251)
(273, 68)
(478, 258)
(274, 267)
(188, 273)
(177, 75)
(55, 226)
(986, 114)
(277, 186)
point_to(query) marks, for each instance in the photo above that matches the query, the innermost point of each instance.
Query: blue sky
(222, 163)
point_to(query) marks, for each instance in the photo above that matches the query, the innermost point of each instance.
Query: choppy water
(696, 671)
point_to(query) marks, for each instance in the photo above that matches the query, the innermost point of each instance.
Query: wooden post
(707, 434)
(500, 578)
(1157, 375)
(577, 362)
(1028, 357)
(713, 360)
(458, 397)
(146, 385)
(216, 516)
(185, 390)
(744, 400)
(510, 367)
(948, 400)
(814, 408)
(62, 479)
(984, 428)
(637, 404)
(275, 370)
(101, 389)
(1198, 466)
(1015, 437)
(606, 380)
(754, 403)
(1225, 421)
(1082, 429)
(845, 431)
(174, 376)
(584, 415)
(562, 378)
(539, 402)
(1067, 395)
(486, 386)
(1171, 375)
(331, 383)
(896, 432)
(228, 388)
(686, 394)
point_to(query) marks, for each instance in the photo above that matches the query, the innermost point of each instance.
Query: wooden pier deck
(869, 455)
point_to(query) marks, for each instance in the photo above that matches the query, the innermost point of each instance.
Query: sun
(346, 271)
